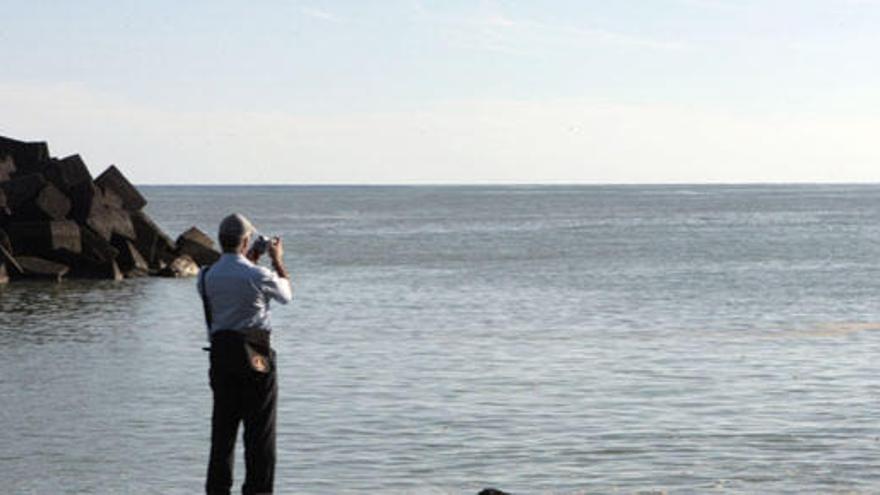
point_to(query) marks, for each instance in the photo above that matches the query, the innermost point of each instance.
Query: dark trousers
(242, 394)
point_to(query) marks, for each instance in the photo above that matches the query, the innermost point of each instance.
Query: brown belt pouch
(259, 352)
(253, 346)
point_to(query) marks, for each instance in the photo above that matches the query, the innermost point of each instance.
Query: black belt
(254, 346)
(256, 337)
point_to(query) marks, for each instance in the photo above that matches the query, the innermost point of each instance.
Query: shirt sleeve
(275, 287)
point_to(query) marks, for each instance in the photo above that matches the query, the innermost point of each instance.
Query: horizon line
(507, 184)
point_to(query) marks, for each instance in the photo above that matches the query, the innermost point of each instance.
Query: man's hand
(275, 249)
(252, 255)
(276, 254)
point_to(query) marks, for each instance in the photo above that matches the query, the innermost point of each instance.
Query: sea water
(539, 339)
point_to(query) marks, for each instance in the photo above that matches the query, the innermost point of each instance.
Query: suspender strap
(203, 291)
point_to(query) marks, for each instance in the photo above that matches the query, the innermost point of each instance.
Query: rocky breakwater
(57, 221)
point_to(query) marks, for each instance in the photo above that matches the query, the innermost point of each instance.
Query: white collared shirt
(239, 293)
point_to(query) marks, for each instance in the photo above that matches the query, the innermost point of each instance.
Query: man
(236, 292)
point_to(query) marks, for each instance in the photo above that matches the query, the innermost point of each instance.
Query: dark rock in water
(45, 237)
(85, 268)
(35, 267)
(68, 173)
(84, 198)
(62, 222)
(49, 204)
(28, 157)
(108, 221)
(122, 224)
(22, 189)
(113, 200)
(151, 241)
(97, 259)
(492, 491)
(52, 203)
(5, 241)
(130, 260)
(4, 211)
(7, 167)
(182, 266)
(113, 180)
(9, 261)
(95, 248)
(197, 245)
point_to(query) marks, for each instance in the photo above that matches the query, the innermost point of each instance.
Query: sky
(448, 92)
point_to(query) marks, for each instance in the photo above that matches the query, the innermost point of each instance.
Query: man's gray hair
(232, 230)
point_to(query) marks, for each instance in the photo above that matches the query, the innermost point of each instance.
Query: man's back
(238, 292)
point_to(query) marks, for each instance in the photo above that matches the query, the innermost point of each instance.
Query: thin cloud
(321, 14)
(501, 33)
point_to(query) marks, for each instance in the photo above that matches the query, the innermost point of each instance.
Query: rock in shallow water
(182, 266)
(198, 246)
(36, 267)
(61, 222)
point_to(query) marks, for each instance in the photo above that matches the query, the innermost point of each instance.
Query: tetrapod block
(36, 267)
(45, 237)
(7, 258)
(95, 248)
(49, 204)
(182, 266)
(68, 172)
(7, 167)
(4, 240)
(28, 157)
(113, 180)
(198, 246)
(151, 241)
(84, 198)
(107, 221)
(130, 260)
(21, 189)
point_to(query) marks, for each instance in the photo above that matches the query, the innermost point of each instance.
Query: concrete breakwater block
(130, 260)
(197, 245)
(49, 204)
(6, 257)
(68, 173)
(97, 260)
(7, 166)
(155, 246)
(45, 237)
(9, 261)
(5, 242)
(34, 266)
(112, 199)
(62, 222)
(85, 268)
(113, 180)
(28, 156)
(182, 266)
(108, 221)
(84, 198)
(21, 189)
(95, 248)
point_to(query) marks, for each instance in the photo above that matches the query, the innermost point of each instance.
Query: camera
(261, 244)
